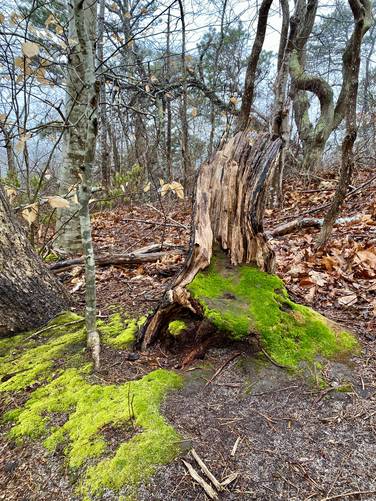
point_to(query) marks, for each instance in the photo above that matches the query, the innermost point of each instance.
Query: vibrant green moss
(176, 327)
(245, 300)
(120, 332)
(30, 362)
(71, 410)
(90, 407)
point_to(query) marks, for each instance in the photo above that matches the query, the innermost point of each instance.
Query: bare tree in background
(362, 13)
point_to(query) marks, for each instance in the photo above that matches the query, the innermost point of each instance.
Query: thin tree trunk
(105, 166)
(188, 172)
(282, 105)
(85, 20)
(168, 102)
(250, 78)
(362, 24)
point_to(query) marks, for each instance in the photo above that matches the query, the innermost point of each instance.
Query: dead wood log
(150, 254)
(307, 222)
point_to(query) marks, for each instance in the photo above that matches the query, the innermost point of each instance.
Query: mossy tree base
(226, 289)
(242, 303)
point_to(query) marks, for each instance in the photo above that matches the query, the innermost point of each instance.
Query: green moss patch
(244, 300)
(120, 331)
(30, 358)
(70, 411)
(90, 407)
(176, 327)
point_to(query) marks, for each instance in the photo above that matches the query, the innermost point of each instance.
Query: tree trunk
(228, 213)
(68, 223)
(30, 294)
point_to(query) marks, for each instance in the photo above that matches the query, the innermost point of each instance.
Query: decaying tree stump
(228, 214)
(226, 290)
(30, 294)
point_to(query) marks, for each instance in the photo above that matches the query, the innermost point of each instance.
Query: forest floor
(286, 436)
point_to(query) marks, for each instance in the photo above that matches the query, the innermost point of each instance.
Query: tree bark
(315, 137)
(30, 295)
(68, 223)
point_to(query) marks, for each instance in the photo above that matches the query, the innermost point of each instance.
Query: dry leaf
(2, 18)
(30, 213)
(58, 202)
(177, 188)
(11, 192)
(194, 112)
(147, 187)
(165, 188)
(318, 278)
(30, 49)
(348, 300)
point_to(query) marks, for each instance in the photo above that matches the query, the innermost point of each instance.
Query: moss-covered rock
(69, 409)
(244, 300)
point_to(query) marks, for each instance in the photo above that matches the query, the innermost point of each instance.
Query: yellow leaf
(30, 213)
(147, 187)
(20, 145)
(59, 30)
(2, 18)
(178, 189)
(50, 20)
(165, 188)
(147, 88)
(58, 202)
(233, 100)
(2, 117)
(30, 49)
(161, 182)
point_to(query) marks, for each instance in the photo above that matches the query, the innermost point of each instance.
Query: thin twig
(222, 367)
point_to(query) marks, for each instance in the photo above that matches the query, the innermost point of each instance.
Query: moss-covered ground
(53, 368)
(243, 301)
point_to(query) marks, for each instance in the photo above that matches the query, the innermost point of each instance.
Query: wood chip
(206, 470)
(193, 473)
(233, 452)
(228, 480)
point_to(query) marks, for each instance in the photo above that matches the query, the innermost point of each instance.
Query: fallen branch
(222, 367)
(207, 488)
(128, 259)
(348, 494)
(206, 470)
(158, 223)
(307, 222)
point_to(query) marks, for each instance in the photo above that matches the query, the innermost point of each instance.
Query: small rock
(10, 466)
(133, 356)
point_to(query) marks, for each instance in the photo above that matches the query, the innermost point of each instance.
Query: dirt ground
(285, 437)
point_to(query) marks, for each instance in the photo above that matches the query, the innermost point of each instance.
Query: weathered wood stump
(226, 289)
